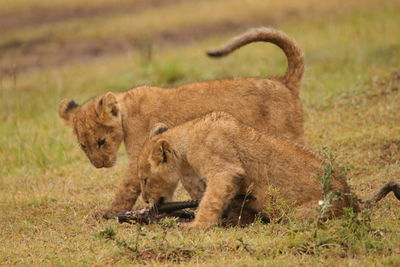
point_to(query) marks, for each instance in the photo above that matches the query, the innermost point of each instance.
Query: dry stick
(157, 212)
(175, 206)
(169, 209)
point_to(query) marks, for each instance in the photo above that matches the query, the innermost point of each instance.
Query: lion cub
(267, 104)
(217, 158)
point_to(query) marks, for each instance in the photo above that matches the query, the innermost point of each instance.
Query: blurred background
(55, 49)
(45, 34)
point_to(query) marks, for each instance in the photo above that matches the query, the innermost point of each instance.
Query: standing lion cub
(217, 158)
(267, 104)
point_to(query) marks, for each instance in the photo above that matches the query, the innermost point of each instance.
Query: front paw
(104, 214)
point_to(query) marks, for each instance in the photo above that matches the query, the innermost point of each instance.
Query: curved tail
(382, 192)
(295, 70)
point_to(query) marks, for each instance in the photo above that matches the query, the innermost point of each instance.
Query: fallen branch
(178, 211)
(157, 212)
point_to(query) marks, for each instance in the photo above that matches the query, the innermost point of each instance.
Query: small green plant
(327, 195)
(325, 178)
(349, 233)
(108, 233)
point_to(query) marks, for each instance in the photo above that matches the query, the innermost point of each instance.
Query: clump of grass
(351, 233)
(346, 236)
(158, 249)
(108, 233)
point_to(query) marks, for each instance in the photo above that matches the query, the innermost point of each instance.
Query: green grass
(48, 189)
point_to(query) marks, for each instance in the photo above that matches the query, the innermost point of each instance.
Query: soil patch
(390, 152)
(17, 57)
(41, 16)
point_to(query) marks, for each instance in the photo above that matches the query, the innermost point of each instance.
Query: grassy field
(50, 50)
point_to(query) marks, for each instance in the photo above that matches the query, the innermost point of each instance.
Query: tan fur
(270, 105)
(217, 158)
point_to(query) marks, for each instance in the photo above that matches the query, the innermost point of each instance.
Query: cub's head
(157, 168)
(97, 125)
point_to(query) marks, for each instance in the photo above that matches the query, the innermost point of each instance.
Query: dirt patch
(176, 255)
(388, 86)
(390, 152)
(380, 153)
(41, 16)
(159, 252)
(17, 57)
(372, 91)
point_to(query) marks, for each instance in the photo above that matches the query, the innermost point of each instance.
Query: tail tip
(395, 187)
(215, 53)
(396, 190)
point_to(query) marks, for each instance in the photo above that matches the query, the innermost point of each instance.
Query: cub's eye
(101, 142)
(83, 146)
(145, 180)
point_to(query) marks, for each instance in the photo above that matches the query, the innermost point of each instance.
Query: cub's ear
(158, 128)
(161, 152)
(107, 109)
(66, 110)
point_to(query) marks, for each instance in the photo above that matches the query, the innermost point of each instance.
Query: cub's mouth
(108, 164)
(98, 165)
(103, 163)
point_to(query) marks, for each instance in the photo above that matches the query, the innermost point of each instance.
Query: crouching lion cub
(267, 104)
(217, 158)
